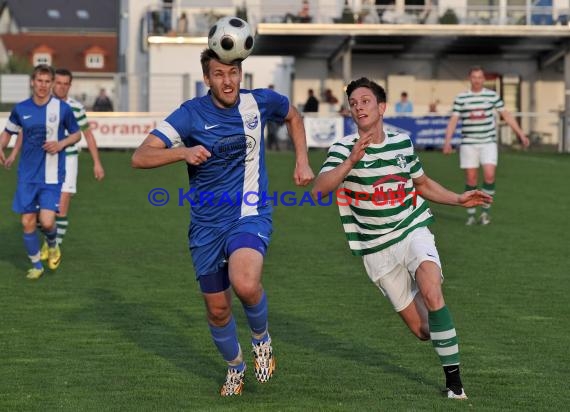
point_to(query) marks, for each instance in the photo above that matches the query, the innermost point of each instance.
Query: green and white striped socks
(61, 223)
(488, 188)
(443, 336)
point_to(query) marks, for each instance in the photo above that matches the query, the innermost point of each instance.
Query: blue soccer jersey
(40, 124)
(232, 183)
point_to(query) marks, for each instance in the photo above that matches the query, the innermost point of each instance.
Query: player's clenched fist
(197, 155)
(303, 175)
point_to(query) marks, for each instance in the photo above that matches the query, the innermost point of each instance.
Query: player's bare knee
(248, 292)
(219, 315)
(433, 300)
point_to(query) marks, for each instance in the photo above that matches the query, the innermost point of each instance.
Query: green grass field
(121, 325)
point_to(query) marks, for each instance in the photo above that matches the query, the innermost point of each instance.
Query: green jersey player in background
(476, 109)
(62, 84)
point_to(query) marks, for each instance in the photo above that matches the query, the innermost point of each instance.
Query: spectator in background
(167, 15)
(155, 25)
(383, 6)
(369, 15)
(272, 129)
(182, 25)
(303, 16)
(103, 103)
(404, 106)
(330, 97)
(312, 103)
(433, 106)
(343, 111)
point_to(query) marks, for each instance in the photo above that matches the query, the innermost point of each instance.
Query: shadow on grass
(137, 323)
(12, 250)
(298, 332)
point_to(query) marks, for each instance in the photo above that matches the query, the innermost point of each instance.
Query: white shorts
(393, 269)
(471, 156)
(70, 182)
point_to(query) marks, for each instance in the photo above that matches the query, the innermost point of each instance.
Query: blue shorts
(31, 197)
(211, 248)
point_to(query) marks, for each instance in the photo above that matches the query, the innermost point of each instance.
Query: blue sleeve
(276, 105)
(14, 124)
(175, 127)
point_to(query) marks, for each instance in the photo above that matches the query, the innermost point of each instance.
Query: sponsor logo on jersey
(234, 147)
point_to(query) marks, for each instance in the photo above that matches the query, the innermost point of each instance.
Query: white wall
(169, 62)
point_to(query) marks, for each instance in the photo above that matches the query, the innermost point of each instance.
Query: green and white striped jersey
(377, 201)
(81, 117)
(477, 114)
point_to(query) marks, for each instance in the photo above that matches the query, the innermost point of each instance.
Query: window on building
(53, 14)
(94, 61)
(42, 58)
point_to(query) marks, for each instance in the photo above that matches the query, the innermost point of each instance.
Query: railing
(194, 19)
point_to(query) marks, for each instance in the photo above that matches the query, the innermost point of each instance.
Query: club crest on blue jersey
(251, 120)
(50, 131)
(233, 147)
(52, 117)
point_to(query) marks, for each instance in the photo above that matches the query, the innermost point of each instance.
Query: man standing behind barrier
(476, 109)
(220, 137)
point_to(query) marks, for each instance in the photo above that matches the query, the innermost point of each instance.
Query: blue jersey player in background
(220, 137)
(43, 121)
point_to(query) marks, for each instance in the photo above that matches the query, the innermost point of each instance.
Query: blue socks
(32, 244)
(226, 340)
(257, 319)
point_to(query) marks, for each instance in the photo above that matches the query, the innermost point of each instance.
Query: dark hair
(476, 69)
(64, 72)
(43, 69)
(376, 89)
(208, 55)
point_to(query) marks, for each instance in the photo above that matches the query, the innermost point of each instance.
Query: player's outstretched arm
(4, 139)
(9, 161)
(451, 126)
(511, 121)
(98, 170)
(303, 174)
(329, 181)
(152, 153)
(431, 190)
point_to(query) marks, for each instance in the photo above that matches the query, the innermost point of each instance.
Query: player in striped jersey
(62, 84)
(47, 127)
(220, 138)
(476, 110)
(381, 187)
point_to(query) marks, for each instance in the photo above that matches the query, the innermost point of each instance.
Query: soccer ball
(231, 39)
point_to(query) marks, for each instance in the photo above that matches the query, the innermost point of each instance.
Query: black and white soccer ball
(231, 38)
